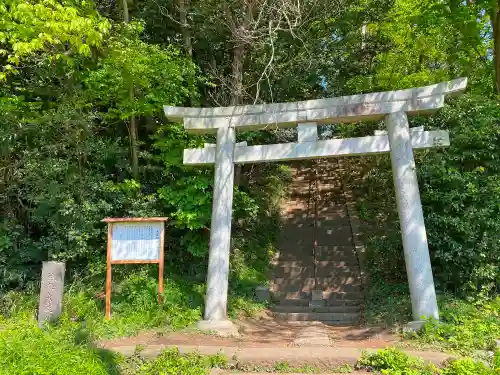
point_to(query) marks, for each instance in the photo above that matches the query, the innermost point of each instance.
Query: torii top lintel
(354, 108)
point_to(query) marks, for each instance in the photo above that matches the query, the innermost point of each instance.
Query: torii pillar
(411, 217)
(392, 107)
(215, 315)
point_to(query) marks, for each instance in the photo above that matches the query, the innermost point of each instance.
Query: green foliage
(134, 305)
(461, 197)
(467, 366)
(387, 304)
(170, 362)
(285, 367)
(65, 141)
(30, 27)
(393, 362)
(464, 327)
(26, 349)
(67, 348)
(460, 194)
(157, 76)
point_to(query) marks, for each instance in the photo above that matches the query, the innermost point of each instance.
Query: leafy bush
(387, 304)
(464, 327)
(393, 362)
(171, 362)
(467, 366)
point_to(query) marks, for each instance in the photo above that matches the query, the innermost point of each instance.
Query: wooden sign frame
(109, 262)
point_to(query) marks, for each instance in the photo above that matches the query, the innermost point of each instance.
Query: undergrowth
(134, 306)
(26, 349)
(68, 349)
(394, 362)
(464, 326)
(172, 362)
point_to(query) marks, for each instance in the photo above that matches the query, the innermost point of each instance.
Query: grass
(391, 361)
(172, 362)
(134, 306)
(26, 349)
(464, 326)
(68, 349)
(285, 367)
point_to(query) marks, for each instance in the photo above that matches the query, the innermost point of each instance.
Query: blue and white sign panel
(136, 241)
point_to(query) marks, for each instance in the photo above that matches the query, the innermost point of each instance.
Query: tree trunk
(237, 76)
(134, 149)
(495, 24)
(186, 35)
(125, 11)
(133, 133)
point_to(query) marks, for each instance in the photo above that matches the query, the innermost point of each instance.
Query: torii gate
(399, 140)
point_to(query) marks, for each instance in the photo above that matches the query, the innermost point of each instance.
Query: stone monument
(51, 292)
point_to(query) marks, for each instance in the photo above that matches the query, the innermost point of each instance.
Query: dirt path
(267, 332)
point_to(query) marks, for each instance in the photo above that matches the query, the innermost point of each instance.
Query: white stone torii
(399, 140)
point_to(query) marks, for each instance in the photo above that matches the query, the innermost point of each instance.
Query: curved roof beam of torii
(353, 108)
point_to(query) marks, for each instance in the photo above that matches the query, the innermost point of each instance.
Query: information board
(133, 241)
(136, 241)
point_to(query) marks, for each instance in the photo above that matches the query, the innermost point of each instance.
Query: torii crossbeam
(392, 106)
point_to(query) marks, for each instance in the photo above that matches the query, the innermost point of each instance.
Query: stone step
(304, 302)
(306, 256)
(341, 309)
(308, 206)
(310, 225)
(331, 297)
(339, 318)
(324, 193)
(303, 251)
(334, 284)
(305, 245)
(327, 236)
(324, 270)
(351, 263)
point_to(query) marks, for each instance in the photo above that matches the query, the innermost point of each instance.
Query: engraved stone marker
(51, 292)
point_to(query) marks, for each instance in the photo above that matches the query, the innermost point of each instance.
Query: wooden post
(160, 264)
(108, 272)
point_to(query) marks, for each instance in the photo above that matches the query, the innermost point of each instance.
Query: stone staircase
(316, 274)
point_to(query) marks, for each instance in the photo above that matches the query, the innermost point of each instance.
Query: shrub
(387, 303)
(467, 366)
(171, 362)
(394, 362)
(464, 326)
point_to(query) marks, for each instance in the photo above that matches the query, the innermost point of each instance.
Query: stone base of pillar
(224, 328)
(414, 326)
